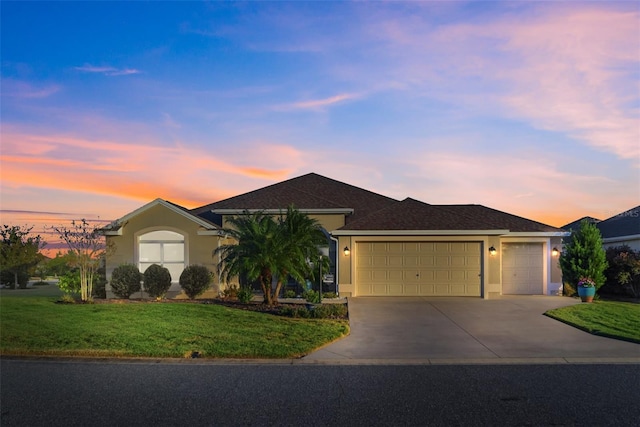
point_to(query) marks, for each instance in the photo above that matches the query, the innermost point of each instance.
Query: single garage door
(522, 268)
(418, 268)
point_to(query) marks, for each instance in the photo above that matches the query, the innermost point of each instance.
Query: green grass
(39, 326)
(619, 320)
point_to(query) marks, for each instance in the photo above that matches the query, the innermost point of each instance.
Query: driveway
(465, 329)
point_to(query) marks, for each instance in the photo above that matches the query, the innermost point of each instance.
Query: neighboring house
(575, 225)
(379, 246)
(621, 229)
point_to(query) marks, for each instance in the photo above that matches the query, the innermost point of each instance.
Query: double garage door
(418, 268)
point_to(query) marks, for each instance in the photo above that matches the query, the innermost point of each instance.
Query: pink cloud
(107, 70)
(319, 104)
(559, 67)
(185, 175)
(20, 89)
(323, 102)
(530, 183)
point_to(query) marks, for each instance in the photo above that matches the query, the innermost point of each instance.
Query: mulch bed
(252, 306)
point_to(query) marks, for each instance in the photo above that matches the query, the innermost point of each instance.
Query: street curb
(340, 362)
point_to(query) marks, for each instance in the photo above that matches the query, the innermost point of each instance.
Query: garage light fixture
(555, 252)
(492, 251)
(346, 251)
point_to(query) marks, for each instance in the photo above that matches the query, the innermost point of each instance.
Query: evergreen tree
(583, 256)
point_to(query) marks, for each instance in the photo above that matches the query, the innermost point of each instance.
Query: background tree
(19, 250)
(583, 256)
(623, 271)
(60, 264)
(266, 249)
(87, 247)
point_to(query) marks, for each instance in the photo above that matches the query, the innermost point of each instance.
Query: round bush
(245, 295)
(157, 281)
(194, 280)
(125, 280)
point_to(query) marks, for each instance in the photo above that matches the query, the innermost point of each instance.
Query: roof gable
(310, 193)
(115, 227)
(576, 224)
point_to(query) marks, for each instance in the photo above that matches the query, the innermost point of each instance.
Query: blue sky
(527, 107)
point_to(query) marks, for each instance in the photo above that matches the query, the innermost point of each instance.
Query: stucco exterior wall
(329, 222)
(198, 248)
(556, 273)
(344, 267)
(493, 275)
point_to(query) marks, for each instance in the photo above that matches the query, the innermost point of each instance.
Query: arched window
(162, 247)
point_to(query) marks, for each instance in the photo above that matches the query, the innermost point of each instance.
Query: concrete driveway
(442, 330)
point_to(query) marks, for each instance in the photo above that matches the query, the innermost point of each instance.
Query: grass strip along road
(40, 326)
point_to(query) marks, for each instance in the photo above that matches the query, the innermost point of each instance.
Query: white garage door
(522, 268)
(418, 268)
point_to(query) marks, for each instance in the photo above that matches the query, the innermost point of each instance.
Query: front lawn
(619, 320)
(39, 326)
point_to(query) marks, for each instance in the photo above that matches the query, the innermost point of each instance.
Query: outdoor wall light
(555, 252)
(346, 251)
(492, 251)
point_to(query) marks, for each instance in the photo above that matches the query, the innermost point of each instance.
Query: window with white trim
(162, 247)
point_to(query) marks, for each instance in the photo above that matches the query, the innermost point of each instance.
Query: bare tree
(87, 247)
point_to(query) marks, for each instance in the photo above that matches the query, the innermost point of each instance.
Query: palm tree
(266, 248)
(302, 236)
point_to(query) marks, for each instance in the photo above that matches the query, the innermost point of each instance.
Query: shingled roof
(626, 223)
(306, 192)
(411, 214)
(576, 224)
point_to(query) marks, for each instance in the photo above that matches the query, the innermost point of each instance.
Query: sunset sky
(532, 108)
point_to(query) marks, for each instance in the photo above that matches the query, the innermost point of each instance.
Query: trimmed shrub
(125, 280)
(311, 296)
(322, 311)
(329, 311)
(329, 295)
(230, 292)
(157, 281)
(295, 312)
(245, 295)
(194, 280)
(289, 293)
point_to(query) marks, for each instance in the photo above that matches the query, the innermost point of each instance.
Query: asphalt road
(71, 393)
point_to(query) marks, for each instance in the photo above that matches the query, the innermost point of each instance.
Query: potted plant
(586, 289)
